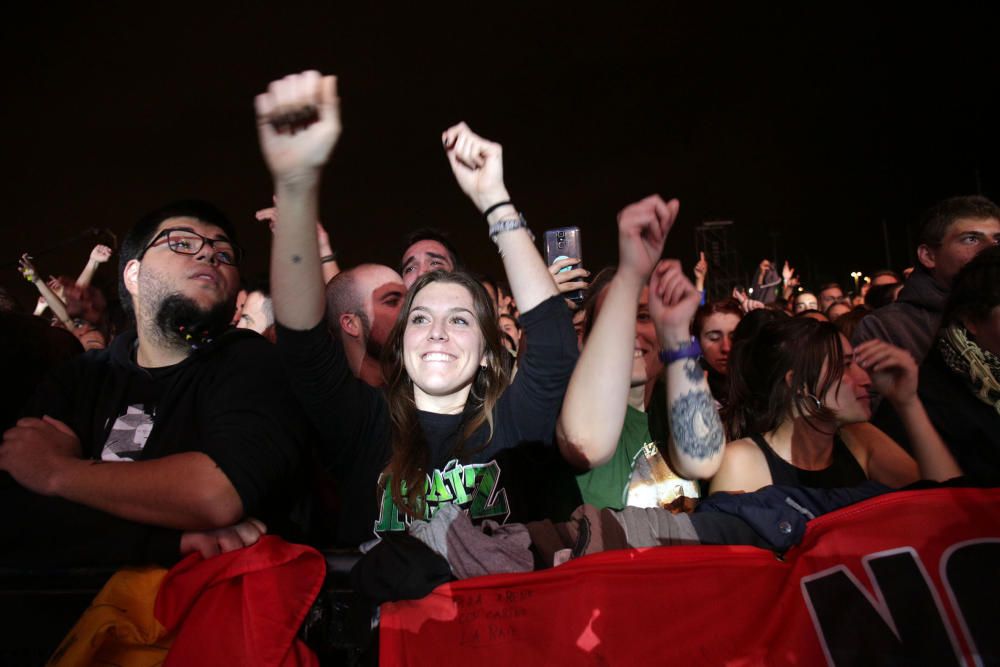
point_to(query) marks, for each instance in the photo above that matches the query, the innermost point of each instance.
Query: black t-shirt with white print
(516, 474)
(228, 400)
(131, 429)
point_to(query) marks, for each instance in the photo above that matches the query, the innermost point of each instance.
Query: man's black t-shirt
(126, 440)
(228, 400)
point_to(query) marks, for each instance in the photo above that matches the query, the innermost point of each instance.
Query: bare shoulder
(743, 468)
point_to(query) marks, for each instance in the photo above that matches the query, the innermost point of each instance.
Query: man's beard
(182, 323)
(373, 349)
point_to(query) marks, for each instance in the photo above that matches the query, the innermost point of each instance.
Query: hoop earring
(819, 403)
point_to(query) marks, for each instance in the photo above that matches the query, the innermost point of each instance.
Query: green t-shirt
(636, 474)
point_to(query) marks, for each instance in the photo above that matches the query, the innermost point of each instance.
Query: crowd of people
(343, 406)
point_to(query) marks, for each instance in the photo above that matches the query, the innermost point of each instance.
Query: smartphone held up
(564, 243)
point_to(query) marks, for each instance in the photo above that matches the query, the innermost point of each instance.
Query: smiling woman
(444, 356)
(448, 421)
(444, 338)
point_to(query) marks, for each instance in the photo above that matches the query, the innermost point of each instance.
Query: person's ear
(351, 324)
(927, 256)
(130, 274)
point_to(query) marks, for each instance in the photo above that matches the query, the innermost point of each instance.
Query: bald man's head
(372, 293)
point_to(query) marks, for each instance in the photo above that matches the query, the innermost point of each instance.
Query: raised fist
(672, 302)
(100, 254)
(477, 164)
(642, 231)
(298, 121)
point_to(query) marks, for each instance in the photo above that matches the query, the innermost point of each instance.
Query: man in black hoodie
(180, 425)
(953, 232)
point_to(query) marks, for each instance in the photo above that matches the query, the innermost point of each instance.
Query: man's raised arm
(298, 119)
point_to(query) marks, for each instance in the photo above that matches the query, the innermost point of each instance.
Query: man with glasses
(183, 424)
(829, 294)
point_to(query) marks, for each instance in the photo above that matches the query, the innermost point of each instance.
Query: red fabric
(708, 605)
(243, 607)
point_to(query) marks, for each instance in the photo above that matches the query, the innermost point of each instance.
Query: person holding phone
(563, 253)
(612, 426)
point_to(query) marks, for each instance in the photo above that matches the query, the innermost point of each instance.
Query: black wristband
(487, 212)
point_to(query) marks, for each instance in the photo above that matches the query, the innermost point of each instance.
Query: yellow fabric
(119, 627)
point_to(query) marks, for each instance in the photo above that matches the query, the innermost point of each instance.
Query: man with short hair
(241, 298)
(180, 425)
(362, 305)
(805, 301)
(257, 313)
(879, 278)
(829, 294)
(953, 232)
(427, 250)
(884, 277)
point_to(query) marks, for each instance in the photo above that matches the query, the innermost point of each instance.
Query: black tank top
(844, 471)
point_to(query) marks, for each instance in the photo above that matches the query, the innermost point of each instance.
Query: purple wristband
(690, 350)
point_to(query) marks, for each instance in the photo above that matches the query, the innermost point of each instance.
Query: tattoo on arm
(695, 425)
(296, 259)
(692, 370)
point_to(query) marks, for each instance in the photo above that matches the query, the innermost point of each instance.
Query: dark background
(806, 127)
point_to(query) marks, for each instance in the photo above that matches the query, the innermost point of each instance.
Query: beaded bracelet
(508, 225)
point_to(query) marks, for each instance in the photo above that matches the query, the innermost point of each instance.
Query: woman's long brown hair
(760, 397)
(410, 458)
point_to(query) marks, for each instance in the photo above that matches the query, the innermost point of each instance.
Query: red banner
(906, 578)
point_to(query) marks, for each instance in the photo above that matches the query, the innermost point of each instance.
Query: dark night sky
(816, 125)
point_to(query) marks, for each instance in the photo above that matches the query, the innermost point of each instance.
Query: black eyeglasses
(188, 242)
